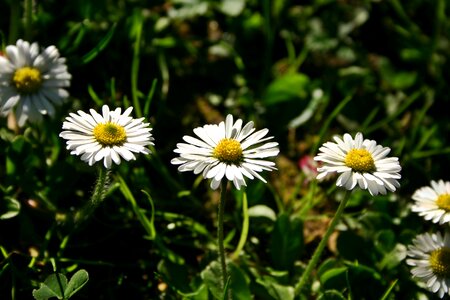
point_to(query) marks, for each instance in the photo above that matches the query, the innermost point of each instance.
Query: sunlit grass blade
(145, 222)
(245, 226)
(94, 96)
(389, 290)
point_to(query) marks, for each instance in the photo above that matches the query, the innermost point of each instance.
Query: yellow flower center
(360, 160)
(440, 262)
(27, 80)
(443, 202)
(228, 151)
(110, 134)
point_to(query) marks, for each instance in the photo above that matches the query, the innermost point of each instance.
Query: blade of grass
(327, 122)
(152, 216)
(398, 112)
(389, 290)
(422, 154)
(149, 98)
(137, 28)
(14, 20)
(162, 63)
(145, 222)
(245, 226)
(226, 292)
(80, 30)
(94, 96)
(100, 46)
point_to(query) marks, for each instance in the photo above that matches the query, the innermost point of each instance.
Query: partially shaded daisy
(359, 162)
(108, 136)
(433, 202)
(32, 81)
(429, 255)
(227, 150)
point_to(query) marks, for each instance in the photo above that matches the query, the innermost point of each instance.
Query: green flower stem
(97, 196)
(223, 264)
(316, 255)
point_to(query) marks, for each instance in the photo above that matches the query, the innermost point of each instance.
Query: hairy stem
(97, 197)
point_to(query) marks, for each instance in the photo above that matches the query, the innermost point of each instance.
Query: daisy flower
(429, 255)
(109, 136)
(433, 202)
(31, 81)
(359, 162)
(227, 150)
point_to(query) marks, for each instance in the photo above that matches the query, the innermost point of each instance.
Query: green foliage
(286, 242)
(56, 285)
(304, 70)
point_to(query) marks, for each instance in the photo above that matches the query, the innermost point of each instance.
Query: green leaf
(262, 211)
(365, 282)
(334, 278)
(77, 281)
(56, 286)
(9, 208)
(212, 277)
(53, 286)
(239, 283)
(328, 264)
(331, 295)
(18, 144)
(396, 79)
(44, 293)
(289, 87)
(286, 242)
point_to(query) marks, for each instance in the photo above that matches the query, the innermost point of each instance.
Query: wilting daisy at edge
(32, 82)
(227, 150)
(429, 255)
(360, 162)
(109, 136)
(433, 202)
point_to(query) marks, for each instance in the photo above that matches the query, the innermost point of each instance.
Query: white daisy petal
(215, 184)
(222, 170)
(362, 163)
(428, 256)
(96, 137)
(433, 202)
(32, 83)
(227, 150)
